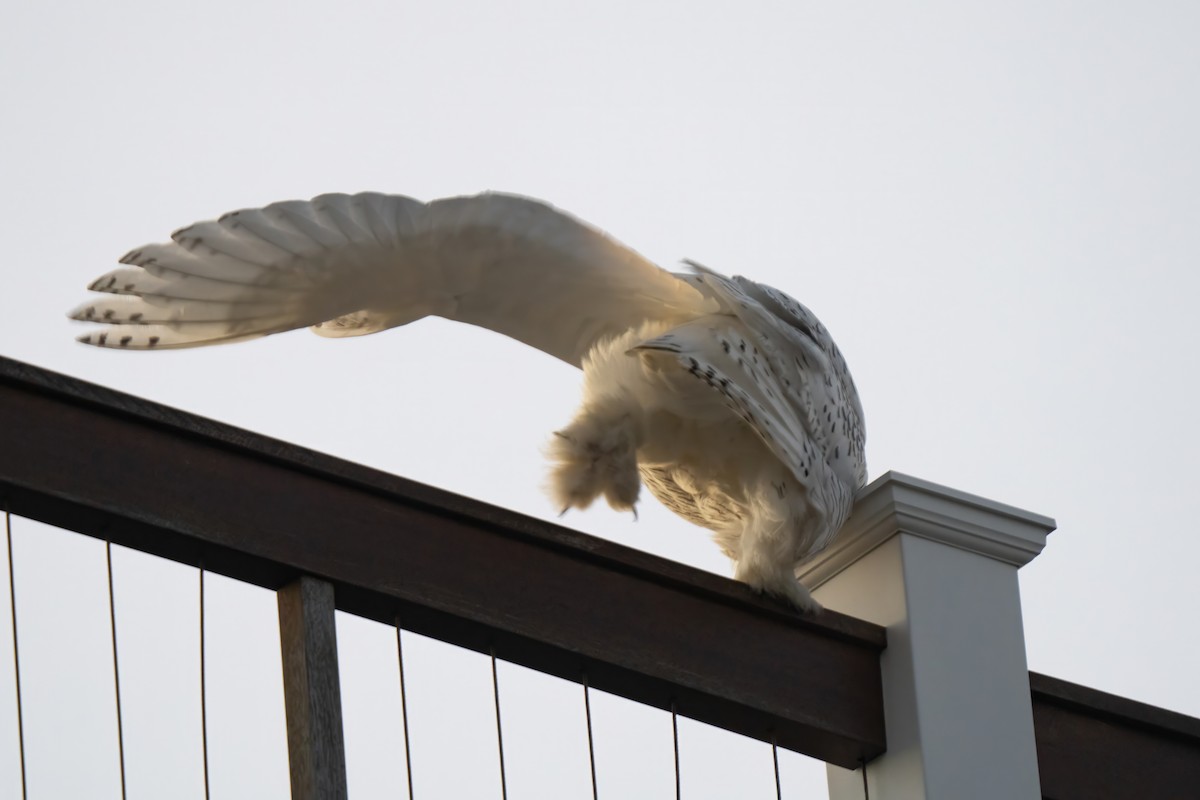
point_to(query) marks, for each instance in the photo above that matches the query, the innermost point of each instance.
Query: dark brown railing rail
(1095, 745)
(145, 476)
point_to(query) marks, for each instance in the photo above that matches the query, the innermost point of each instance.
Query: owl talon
(596, 456)
(781, 585)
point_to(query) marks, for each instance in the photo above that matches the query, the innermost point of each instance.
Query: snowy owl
(726, 398)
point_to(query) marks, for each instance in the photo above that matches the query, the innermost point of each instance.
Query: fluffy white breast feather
(727, 398)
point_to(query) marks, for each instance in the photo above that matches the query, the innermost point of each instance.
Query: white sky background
(994, 207)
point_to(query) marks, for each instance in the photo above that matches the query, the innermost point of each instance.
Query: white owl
(727, 398)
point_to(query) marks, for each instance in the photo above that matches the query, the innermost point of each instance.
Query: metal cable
(775, 757)
(866, 788)
(499, 730)
(12, 598)
(203, 688)
(587, 708)
(675, 735)
(404, 710)
(112, 620)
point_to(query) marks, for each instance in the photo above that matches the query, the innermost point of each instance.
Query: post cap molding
(897, 503)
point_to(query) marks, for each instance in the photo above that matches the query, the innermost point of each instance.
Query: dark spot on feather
(136, 317)
(103, 338)
(126, 340)
(153, 341)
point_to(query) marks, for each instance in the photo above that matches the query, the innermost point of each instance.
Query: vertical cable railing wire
(499, 729)
(12, 599)
(203, 689)
(675, 737)
(775, 758)
(404, 710)
(587, 710)
(112, 620)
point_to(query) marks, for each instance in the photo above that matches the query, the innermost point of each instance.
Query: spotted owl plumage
(725, 397)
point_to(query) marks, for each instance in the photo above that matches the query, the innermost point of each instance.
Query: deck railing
(331, 534)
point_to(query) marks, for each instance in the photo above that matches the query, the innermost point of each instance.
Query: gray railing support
(312, 694)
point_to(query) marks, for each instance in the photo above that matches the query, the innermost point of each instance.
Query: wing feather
(816, 382)
(356, 264)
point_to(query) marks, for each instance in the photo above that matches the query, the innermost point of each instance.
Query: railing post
(938, 568)
(312, 695)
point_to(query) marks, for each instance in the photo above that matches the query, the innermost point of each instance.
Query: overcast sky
(994, 207)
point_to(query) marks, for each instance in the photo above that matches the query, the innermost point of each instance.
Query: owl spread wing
(349, 265)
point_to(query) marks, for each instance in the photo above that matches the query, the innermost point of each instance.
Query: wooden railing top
(1094, 744)
(173, 484)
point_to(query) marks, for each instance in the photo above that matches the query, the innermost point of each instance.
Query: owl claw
(563, 513)
(596, 456)
(635, 516)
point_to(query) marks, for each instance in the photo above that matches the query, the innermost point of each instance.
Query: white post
(938, 568)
